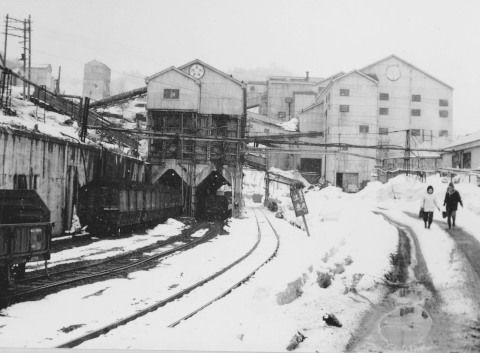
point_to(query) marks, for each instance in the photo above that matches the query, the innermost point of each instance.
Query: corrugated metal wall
(56, 169)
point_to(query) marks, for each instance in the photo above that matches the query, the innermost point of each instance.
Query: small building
(463, 153)
(41, 75)
(96, 80)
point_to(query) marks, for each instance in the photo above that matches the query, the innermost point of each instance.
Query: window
(384, 96)
(282, 115)
(344, 108)
(383, 111)
(252, 88)
(363, 129)
(443, 113)
(383, 130)
(20, 182)
(171, 93)
(416, 98)
(266, 131)
(443, 133)
(416, 112)
(467, 160)
(344, 92)
(416, 132)
(443, 102)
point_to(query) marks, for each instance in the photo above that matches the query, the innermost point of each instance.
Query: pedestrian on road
(452, 199)
(428, 204)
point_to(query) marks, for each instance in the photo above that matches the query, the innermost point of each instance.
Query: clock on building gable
(196, 71)
(393, 72)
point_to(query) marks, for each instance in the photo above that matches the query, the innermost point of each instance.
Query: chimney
(306, 75)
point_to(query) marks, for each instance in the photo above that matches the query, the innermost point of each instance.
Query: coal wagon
(25, 232)
(109, 209)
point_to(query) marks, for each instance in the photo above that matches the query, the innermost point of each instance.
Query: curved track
(41, 285)
(180, 294)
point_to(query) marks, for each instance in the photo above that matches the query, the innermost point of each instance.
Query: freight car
(217, 207)
(107, 210)
(25, 232)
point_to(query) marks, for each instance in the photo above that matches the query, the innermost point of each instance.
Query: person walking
(428, 204)
(452, 199)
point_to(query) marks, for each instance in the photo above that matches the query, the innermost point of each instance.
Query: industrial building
(390, 102)
(282, 97)
(96, 80)
(199, 113)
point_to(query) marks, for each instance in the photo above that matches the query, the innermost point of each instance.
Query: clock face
(393, 73)
(197, 71)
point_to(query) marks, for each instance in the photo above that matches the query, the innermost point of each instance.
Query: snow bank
(291, 125)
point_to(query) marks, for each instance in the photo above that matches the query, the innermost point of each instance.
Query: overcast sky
(323, 37)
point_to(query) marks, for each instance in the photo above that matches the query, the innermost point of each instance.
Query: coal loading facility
(196, 115)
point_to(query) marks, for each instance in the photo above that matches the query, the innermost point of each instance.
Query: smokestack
(306, 75)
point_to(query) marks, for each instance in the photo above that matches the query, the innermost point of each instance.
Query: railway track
(105, 329)
(39, 286)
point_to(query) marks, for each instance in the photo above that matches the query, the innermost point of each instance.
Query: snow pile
(409, 190)
(291, 125)
(36, 119)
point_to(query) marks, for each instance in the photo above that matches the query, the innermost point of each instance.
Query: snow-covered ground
(111, 247)
(49, 322)
(350, 247)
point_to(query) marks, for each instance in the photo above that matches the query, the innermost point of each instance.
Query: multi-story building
(204, 111)
(96, 80)
(385, 103)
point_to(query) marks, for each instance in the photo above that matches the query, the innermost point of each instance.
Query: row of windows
(343, 108)
(385, 97)
(363, 129)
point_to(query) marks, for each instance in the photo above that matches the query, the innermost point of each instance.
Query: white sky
(321, 36)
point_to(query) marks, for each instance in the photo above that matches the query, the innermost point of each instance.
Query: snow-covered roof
(473, 138)
(406, 63)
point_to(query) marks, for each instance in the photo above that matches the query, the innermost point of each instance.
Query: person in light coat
(429, 203)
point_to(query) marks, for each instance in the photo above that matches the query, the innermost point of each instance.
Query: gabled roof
(171, 68)
(198, 61)
(340, 77)
(474, 137)
(406, 63)
(328, 79)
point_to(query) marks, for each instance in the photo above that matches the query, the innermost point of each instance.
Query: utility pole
(406, 160)
(5, 42)
(24, 57)
(29, 51)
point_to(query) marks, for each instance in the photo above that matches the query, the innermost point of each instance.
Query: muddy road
(410, 316)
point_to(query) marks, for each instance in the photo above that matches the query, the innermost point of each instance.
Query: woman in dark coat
(452, 199)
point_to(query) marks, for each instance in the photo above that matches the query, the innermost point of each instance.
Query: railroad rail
(103, 330)
(41, 285)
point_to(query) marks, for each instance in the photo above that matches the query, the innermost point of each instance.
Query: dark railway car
(25, 232)
(217, 207)
(109, 209)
